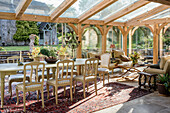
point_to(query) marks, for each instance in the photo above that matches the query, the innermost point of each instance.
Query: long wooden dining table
(13, 68)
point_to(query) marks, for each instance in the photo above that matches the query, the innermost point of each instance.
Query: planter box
(162, 89)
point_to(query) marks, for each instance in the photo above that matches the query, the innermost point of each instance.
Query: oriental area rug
(111, 94)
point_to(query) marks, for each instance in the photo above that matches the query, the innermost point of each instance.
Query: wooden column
(155, 44)
(104, 36)
(130, 42)
(125, 40)
(79, 51)
(161, 43)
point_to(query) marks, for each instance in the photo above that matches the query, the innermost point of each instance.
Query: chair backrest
(34, 66)
(14, 58)
(163, 61)
(63, 72)
(117, 53)
(91, 67)
(167, 67)
(105, 60)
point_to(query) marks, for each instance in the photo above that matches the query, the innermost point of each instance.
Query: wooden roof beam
(97, 8)
(61, 9)
(148, 14)
(151, 22)
(23, 5)
(165, 2)
(126, 11)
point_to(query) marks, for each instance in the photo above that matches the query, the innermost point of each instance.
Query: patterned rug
(112, 94)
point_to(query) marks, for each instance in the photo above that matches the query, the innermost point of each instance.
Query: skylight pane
(112, 9)
(163, 14)
(79, 7)
(8, 5)
(138, 12)
(43, 7)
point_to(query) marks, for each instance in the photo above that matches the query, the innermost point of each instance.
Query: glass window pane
(43, 7)
(163, 14)
(117, 6)
(8, 5)
(138, 12)
(79, 8)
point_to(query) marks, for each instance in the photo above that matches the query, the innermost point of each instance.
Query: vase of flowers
(134, 57)
(62, 52)
(35, 53)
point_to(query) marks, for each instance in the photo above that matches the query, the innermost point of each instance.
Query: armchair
(164, 66)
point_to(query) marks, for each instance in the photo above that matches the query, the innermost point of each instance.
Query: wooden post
(104, 39)
(155, 44)
(79, 51)
(130, 42)
(161, 43)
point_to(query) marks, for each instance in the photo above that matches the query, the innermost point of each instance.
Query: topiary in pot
(164, 84)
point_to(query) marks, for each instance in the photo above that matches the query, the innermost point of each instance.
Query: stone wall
(8, 29)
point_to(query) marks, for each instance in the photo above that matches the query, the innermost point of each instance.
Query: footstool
(151, 86)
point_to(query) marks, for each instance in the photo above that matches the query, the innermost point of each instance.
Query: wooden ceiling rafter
(40, 18)
(166, 2)
(21, 8)
(148, 14)
(126, 11)
(97, 8)
(61, 9)
(151, 22)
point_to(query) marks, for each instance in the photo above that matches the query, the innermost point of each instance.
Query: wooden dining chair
(62, 79)
(32, 85)
(17, 77)
(89, 75)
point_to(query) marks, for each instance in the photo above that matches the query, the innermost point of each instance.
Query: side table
(151, 86)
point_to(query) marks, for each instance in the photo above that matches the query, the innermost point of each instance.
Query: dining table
(13, 68)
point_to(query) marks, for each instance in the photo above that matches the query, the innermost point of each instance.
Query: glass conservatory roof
(9, 5)
(75, 9)
(138, 12)
(117, 6)
(163, 14)
(43, 7)
(79, 8)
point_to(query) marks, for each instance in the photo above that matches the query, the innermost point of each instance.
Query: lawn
(21, 48)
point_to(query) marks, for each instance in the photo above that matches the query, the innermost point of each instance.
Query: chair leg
(38, 92)
(84, 93)
(17, 96)
(64, 90)
(96, 86)
(53, 90)
(108, 76)
(47, 91)
(74, 87)
(24, 100)
(10, 88)
(112, 71)
(100, 77)
(103, 78)
(87, 86)
(42, 96)
(71, 93)
(56, 96)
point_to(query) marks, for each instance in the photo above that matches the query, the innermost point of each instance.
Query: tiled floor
(152, 103)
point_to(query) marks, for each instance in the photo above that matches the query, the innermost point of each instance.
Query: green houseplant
(50, 53)
(164, 84)
(134, 57)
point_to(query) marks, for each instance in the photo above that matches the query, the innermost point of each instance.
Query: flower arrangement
(112, 46)
(134, 57)
(62, 50)
(35, 51)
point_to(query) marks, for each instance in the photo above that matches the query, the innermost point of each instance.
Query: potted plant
(50, 53)
(164, 84)
(134, 57)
